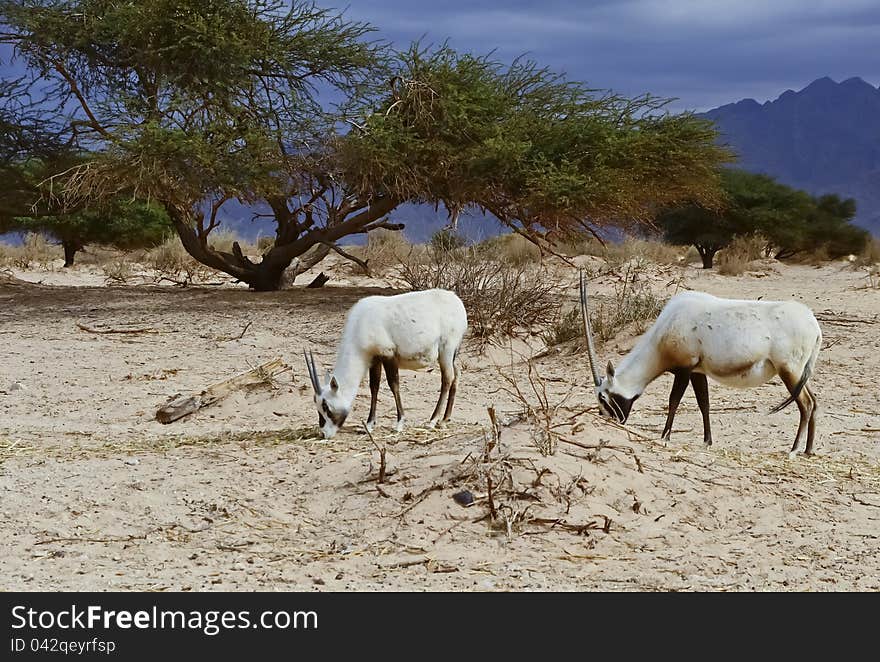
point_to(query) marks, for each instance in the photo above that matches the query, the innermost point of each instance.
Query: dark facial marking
(338, 418)
(620, 406)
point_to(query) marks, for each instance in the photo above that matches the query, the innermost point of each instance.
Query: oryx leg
(811, 426)
(678, 389)
(701, 389)
(392, 375)
(447, 381)
(804, 404)
(452, 387)
(375, 381)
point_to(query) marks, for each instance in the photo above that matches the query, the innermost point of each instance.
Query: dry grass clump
(384, 250)
(512, 248)
(618, 254)
(171, 262)
(502, 300)
(567, 326)
(118, 271)
(100, 256)
(870, 255)
(633, 305)
(735, 258)
(264, 243)
(222, 240)
(35, 251)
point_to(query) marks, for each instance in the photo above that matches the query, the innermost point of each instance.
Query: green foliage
(196, 97)
(792, 221)
(124, 224)
(527, 145)
(191, 100)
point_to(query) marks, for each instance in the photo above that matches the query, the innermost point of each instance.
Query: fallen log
(184, 405)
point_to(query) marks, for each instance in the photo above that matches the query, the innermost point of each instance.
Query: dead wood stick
(183, 405)
(363, 264)
(91, 329)
(240, 335)
(319, 281)
(381, 477)
(599, 447)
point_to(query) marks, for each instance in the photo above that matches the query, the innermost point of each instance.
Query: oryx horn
(313, 372)
(588, 330)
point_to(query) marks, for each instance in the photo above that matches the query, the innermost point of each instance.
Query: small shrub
(567, 326)
(118, 271)
(222, 240)
(35, 250)
(631, 305)
(170, 261)
(446, 240)
(98, 256)
(734, 259)
(383, 250)
(513, 248)
(265, 243)
(502, 300)
(870, 255)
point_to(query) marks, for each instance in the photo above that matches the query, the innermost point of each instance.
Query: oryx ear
(334, 385)
(609, 370)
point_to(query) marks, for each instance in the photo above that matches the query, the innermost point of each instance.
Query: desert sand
(95, 494)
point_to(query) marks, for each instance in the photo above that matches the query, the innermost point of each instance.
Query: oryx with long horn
(411, 331)
(736, 342)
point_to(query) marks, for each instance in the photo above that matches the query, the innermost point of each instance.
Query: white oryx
(736, 342)
(410, 331)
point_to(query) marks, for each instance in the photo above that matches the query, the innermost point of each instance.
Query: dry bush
(35, 250)
(513, 248)
(870, 255)
(567, 326)
(872, 276)
(537, 408)
(690, 256)
(118, 271)
(99, 256)
(632, 305)
(222, 240)
(735, 258)
(265, 243)
(502, 300)
(617, 254)
(171, 262)
(384, 249)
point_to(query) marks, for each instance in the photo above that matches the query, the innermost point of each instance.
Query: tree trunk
(70, 250)
(707, 255)
(267, 275)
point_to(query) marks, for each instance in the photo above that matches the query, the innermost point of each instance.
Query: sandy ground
(97, 495)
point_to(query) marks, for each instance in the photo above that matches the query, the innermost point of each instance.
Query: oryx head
(612, 402)
(332, 409)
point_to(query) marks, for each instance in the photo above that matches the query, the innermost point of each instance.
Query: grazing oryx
(736, 342)
(410, 331)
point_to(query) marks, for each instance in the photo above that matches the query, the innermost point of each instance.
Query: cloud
(703, 52)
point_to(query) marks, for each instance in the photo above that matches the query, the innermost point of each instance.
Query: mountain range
(824, 138)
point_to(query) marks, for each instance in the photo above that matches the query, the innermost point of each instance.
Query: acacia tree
(791, 221)
(123, 223)
(194, 104)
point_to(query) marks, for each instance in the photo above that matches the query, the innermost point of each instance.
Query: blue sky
(705, 53)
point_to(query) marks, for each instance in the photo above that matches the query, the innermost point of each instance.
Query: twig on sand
(240, 335)
(381, 477)
(92, 329)
(598, 447)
